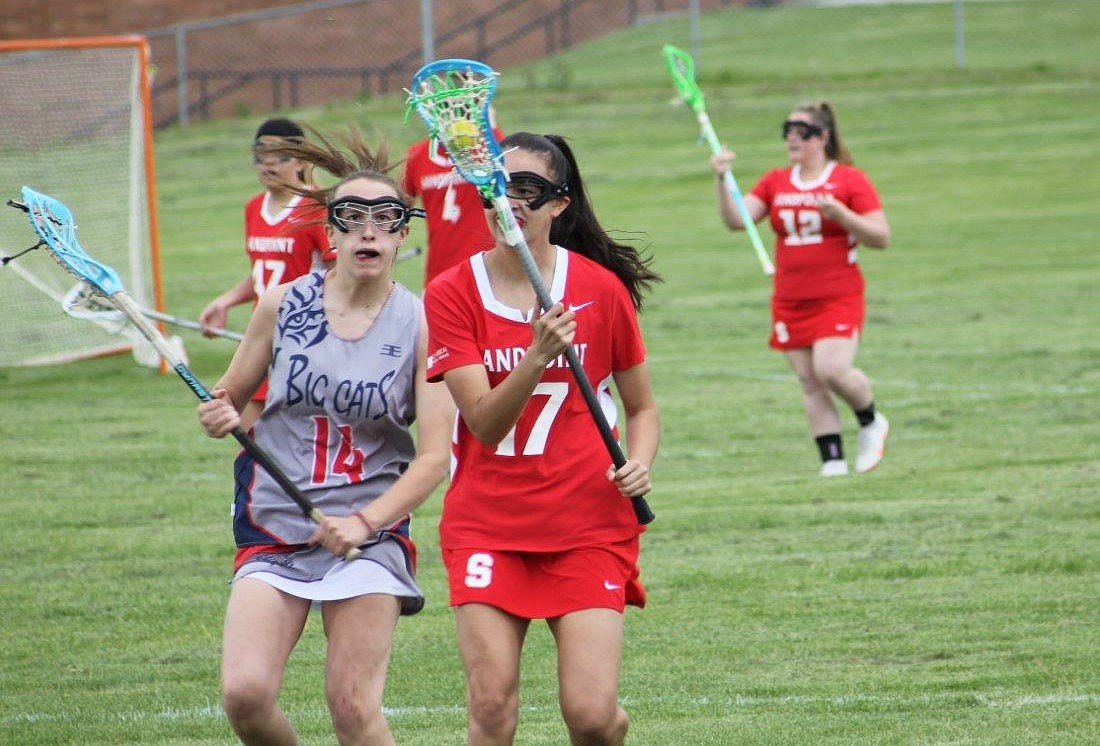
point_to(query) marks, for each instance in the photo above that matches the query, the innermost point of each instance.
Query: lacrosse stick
(453, 98)
(53, 223)
(408, 254)
(83, 302)
(110, 321)
(682, 68)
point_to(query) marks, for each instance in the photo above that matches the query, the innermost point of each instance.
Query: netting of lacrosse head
(681, 66)
(83, 302)
(453, 97)
(54, 224)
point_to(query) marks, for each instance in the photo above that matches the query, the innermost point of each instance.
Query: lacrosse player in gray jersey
(344, 354)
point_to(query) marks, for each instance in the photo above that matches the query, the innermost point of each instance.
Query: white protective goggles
(386, 213)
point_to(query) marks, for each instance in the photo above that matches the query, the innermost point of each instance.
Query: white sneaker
(834, 467)
(872, 443)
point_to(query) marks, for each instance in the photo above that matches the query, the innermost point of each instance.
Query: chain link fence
(315, 52)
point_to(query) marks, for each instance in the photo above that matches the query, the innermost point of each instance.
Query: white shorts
(318, 575)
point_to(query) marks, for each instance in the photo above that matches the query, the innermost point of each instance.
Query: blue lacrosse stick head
(55, 226)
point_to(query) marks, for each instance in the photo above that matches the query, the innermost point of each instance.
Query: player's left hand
(829, 206)
(340, 534)
(632, 478)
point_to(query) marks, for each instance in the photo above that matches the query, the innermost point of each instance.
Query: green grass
(950, 597)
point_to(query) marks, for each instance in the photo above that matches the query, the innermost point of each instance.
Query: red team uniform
(818, 286)
(541, 491)
(283, 246)
(457, 228)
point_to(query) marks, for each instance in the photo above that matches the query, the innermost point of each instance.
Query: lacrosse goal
(75, 121)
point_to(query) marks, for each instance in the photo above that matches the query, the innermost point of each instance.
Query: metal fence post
(696, 30)
(181, 74)
(427, 31)
(960, 36)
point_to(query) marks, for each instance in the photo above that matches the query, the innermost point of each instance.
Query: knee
(246, 701)
(812, 384)
(496, 713)
(354, 716)
(595, 723)
(829, 375)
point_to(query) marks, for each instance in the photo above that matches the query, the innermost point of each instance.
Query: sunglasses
(387, 213)
(529, 187)
(805, 130)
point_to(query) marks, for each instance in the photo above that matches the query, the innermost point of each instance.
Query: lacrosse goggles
(804, 130)
(529, 187)
(386, 213)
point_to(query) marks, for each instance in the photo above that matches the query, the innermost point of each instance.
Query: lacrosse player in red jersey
(284, 234)
(821, 207)
(536, 524)
(456, 221)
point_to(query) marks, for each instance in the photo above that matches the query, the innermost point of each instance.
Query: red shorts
(544, 585)
(800, 323)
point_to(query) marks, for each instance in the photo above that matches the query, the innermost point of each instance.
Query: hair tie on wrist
(371, 530)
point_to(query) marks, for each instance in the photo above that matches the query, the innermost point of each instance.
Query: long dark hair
(577, 228)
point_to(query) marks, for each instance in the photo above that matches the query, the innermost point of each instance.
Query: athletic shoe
(872, 443)
(834, 467)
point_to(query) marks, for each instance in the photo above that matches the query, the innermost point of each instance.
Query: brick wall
(35, 19)
(310, 58)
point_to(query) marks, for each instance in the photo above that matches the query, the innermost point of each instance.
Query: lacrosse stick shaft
(123, 302)
(188, 324)
(408, 254)
(731, 186)
(514, 235)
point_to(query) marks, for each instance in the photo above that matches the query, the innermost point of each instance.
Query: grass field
(950, 597)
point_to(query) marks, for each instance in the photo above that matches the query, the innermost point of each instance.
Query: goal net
(75, 123)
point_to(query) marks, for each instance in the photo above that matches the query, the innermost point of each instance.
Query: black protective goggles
(804, 130)
(386, 213)
(529, 187)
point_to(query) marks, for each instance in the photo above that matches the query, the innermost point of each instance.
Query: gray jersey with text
(336, 418)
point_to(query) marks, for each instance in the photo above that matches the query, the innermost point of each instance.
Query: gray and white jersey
(336, 418)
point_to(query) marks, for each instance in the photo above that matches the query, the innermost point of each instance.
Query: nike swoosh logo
(611, 586)
(574, 309)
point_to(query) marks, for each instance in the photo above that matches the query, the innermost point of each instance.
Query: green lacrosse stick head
(452, 97)
(681, 67)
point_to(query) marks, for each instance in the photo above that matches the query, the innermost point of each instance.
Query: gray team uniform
(336, 419)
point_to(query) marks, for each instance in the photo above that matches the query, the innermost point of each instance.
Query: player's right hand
(553, 333)
(218, 416)
(722, 161)
(213, 318)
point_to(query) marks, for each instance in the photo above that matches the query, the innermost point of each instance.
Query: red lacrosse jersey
(814, 257)
(284, 245)
(543, 488)
(457, 228)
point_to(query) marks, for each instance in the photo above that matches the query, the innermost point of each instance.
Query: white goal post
(75, 123)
